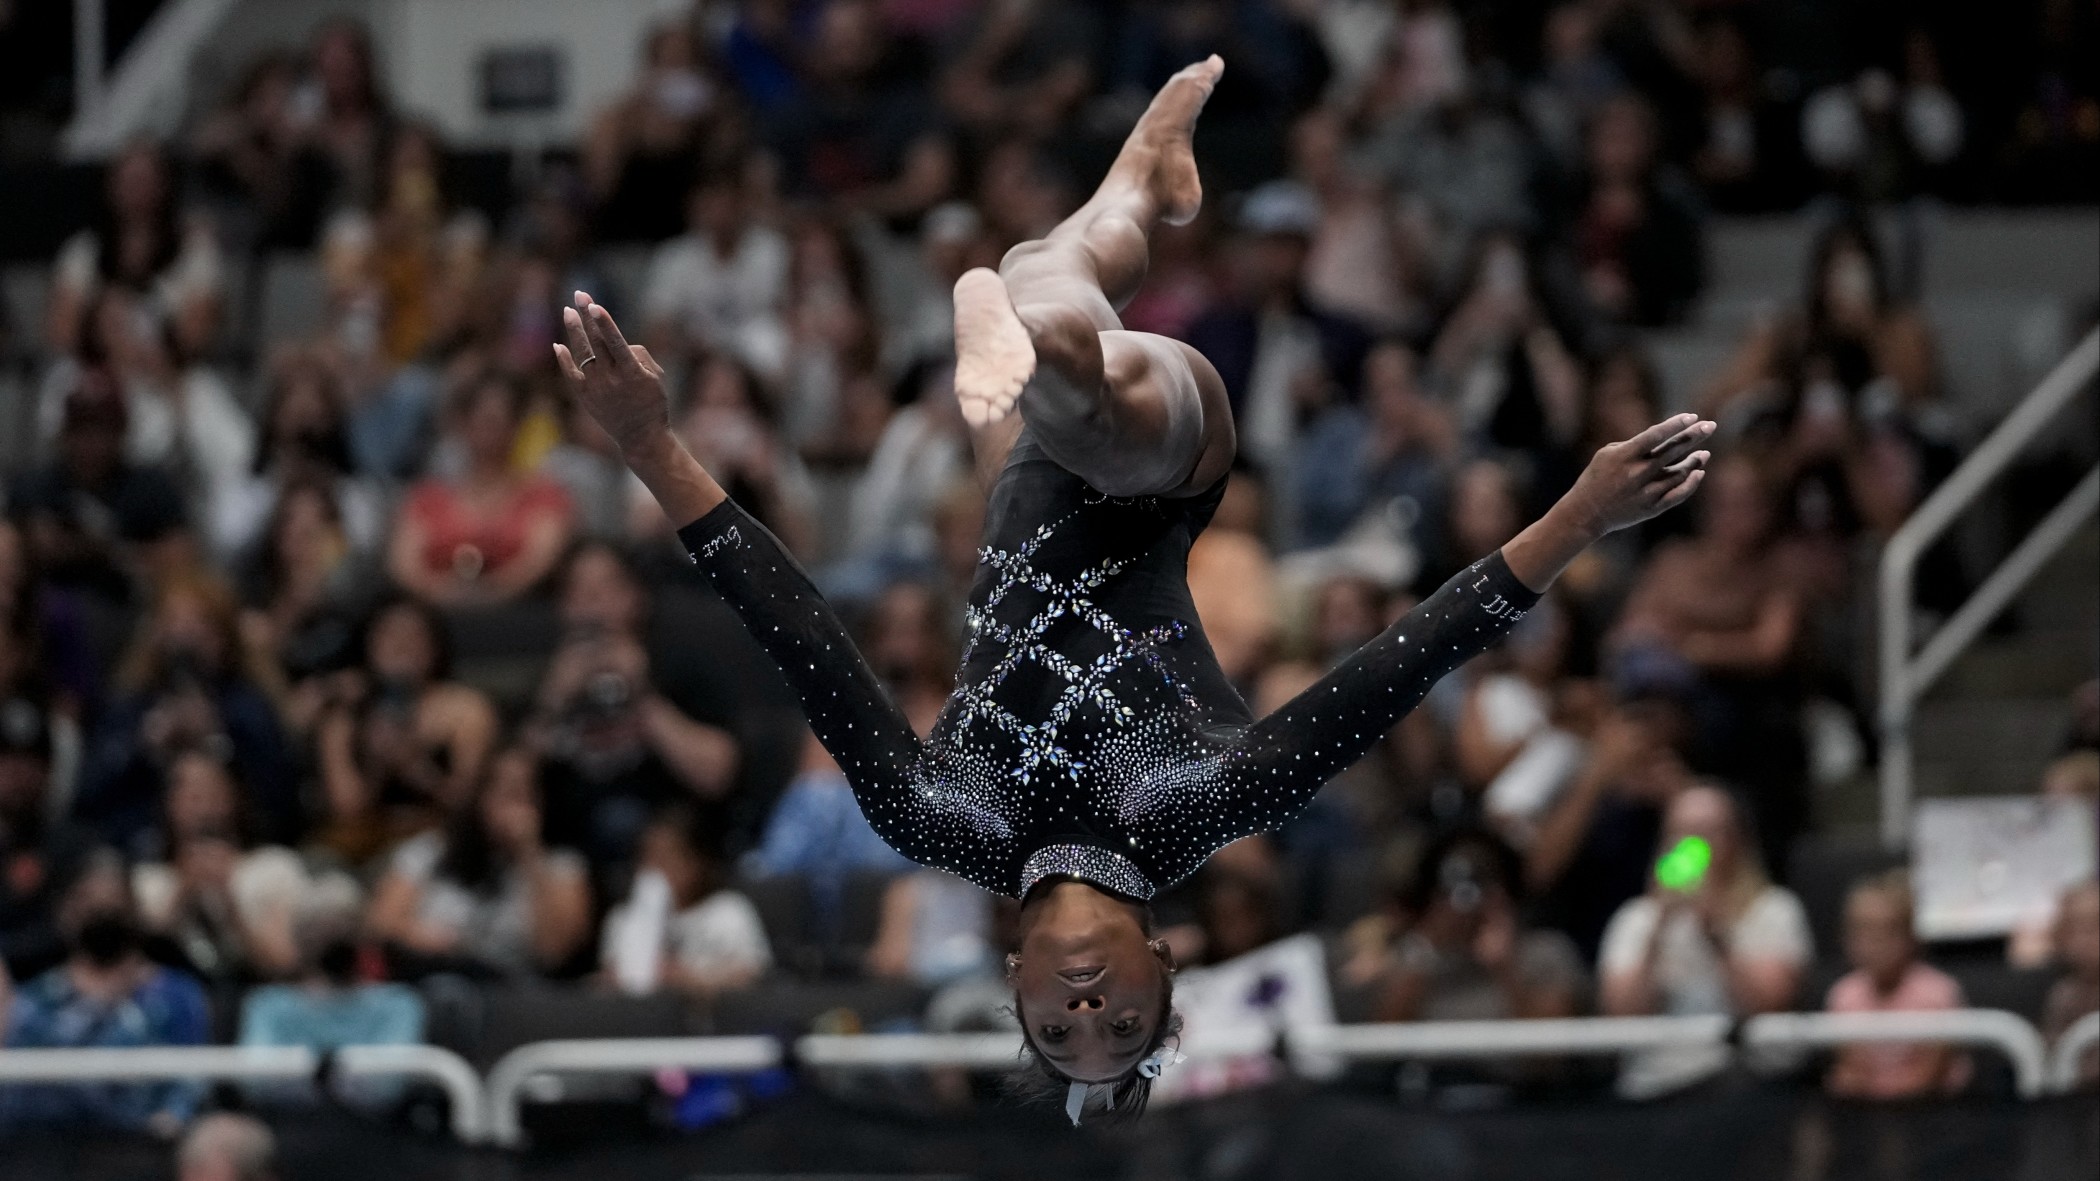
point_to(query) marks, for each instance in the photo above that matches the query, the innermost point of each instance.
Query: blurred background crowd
(351, 690)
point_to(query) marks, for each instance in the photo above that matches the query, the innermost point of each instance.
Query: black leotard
(1092, 733)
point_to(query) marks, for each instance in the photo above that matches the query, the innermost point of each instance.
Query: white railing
(2071, 1046)
(643, 1055)
(1505, 1039)
(1995, 1029)
(489, 1112)
(1905, 678)
(449, 1071)
(147, 92)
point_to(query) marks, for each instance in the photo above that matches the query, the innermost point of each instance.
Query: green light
(1684, 866)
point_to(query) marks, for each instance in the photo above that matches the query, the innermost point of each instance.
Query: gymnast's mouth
(1083, 975)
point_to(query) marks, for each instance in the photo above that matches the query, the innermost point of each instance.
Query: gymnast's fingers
(616, 346)
(1676, 446)
(1683, 491)
(566, 362)
(647, 362)
(1693, 462)
(1655, 436)
(579, 346)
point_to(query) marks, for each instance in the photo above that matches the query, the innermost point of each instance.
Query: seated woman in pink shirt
(1888, 977)
(491, 533)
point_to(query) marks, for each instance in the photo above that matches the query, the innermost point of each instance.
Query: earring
(1013, 963)
(1164, 952)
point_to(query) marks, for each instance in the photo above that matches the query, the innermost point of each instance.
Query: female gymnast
(1093, 754)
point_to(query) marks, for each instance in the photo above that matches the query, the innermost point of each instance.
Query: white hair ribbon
(1077, 1094)
(1160, 1060)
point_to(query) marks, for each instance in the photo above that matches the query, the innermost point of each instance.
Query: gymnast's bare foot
(993, 356)
(1158, 157)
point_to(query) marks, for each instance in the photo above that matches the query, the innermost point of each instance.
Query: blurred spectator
(351, 119)
(182, 415)
(1513, 743)
(1461, 166)
(639, 156)
(1589, 850)
(833, 339)
(305, 440)
(40, 852)
(257, 165)
(922, 453)
(226, 903)
(1576, 78)
(1356, 264)
(1275, 350)
(854, 124)
(324, 1005)
(1889, 977)
(1748, 158)
(401, 746)
(2077, 993)
(1232, 582)
(1881, 137)
(1390, 456)
(935, 929)
(721, 285)
(1511, 379)
(190, 681)
(1637, 236)
(1717, 618)
(614, 749)
(94, 519)
(681, 926)
(728, 426)
(140, 243)
(491, 533)
(106, 995)
(816, 831)
(227, 1146)
(308, 593)
(1464, 955)
(487, 894)
(1731, 944)
(45, 646)
(1023, 69)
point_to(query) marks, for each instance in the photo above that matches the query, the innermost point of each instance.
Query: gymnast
(1093, 754)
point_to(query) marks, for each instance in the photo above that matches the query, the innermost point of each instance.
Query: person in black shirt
(1092, 753)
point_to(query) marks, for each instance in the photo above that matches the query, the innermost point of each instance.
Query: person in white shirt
(722, 284)
(1732, 944)
(680, 927)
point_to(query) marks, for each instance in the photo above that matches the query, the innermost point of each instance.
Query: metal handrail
(1904, 678)
(1996, 1029)
(614, 1056)
(449, 1071)
(1500, 1039)
(973, 1051)
(2071, 1045)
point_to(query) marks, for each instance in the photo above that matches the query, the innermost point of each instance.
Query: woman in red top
(490, 533)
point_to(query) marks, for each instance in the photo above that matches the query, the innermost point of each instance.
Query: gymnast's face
(1088, 984)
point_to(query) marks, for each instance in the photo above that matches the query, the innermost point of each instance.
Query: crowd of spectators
(359, 662)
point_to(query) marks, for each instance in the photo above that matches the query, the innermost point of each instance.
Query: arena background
(277, 251)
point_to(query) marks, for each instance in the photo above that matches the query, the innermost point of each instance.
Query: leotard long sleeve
(1091, 733)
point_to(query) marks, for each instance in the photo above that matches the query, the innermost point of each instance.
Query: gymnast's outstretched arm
(622, 387)
(1281, 761)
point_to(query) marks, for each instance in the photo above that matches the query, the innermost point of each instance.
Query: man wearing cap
(1268, 341)
(38, 855)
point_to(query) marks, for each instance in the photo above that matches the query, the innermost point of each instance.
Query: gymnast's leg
(1129, 412)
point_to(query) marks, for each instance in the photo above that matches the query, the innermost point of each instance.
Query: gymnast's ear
(1013, 968)
(1165, 952)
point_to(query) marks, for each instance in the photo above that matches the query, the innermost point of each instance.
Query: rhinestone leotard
(1092, 733)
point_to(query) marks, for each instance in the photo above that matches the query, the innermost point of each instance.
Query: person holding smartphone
(1711, 935)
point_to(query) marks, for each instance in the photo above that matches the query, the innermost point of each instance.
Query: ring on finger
(586, 361)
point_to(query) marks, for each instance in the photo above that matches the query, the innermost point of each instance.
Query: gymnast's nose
(1086, 1004)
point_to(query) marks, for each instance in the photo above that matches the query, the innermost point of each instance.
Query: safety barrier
(2076, 1042)
(448, 1070)
(489, 1111)
(1988, 1028)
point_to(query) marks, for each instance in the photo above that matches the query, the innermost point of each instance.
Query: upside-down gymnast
(1093, 753)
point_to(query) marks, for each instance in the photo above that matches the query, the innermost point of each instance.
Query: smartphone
(1683, 867)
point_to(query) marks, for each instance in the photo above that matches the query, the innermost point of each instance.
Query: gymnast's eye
(1125, 1027)
(1053, 1033)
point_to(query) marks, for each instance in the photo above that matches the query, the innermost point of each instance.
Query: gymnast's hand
(623, 388)
(619, 383)
(1642, 477)
(1626, 483)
